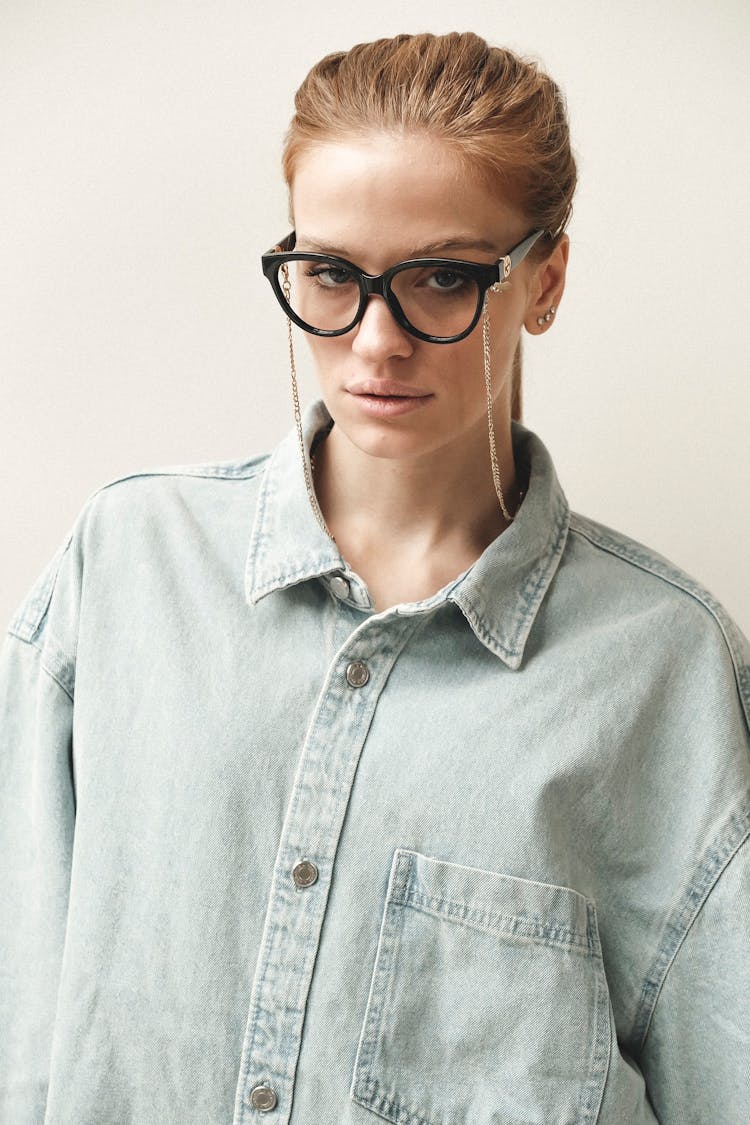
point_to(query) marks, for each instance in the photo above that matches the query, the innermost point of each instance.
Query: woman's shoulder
(158, 483)
(601, 544)
(157, 509)
(647, 593)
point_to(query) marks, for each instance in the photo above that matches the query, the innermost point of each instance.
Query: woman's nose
(379, 335)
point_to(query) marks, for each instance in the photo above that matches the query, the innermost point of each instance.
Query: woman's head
(428, 146)
(501, 116)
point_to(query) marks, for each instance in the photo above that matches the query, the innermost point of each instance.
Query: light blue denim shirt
(271, 856)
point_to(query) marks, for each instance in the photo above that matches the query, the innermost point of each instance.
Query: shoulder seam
(650, 562)
(220, 470)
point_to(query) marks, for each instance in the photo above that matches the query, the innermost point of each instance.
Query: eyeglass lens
(436, 300)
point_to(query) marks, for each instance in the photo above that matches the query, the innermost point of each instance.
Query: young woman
(364, 780)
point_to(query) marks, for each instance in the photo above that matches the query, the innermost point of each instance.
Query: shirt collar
(499, 595)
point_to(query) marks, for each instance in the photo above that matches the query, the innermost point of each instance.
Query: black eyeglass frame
(487, 276)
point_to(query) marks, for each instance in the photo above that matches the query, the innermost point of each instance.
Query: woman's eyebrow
(459, 242)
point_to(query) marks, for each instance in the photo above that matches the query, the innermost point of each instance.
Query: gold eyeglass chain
(486, 348)
(285, 285)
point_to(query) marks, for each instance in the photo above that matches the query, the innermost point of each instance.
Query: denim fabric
(480, 859)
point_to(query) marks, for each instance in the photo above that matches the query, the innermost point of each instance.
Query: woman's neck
(436, 512)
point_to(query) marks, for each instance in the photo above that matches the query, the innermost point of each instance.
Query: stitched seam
(58, 681)
(45, 668)
(392, 1107)
(540, 581)
(219, 471)
(28, 620)
(537, 581)
(57, 663)
(290, 577)
(679, 581)
(530, 929)
(595, 1090)
(257, 547)
(710, 868)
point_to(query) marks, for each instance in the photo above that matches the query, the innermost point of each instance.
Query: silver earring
(547, 316)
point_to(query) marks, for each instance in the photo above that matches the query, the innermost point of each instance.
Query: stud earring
(547, 316)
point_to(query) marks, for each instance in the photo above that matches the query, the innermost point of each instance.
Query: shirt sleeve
(37, 817)
(696, 1054)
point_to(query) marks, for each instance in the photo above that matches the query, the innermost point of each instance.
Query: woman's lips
(389, 405)
(386, 388)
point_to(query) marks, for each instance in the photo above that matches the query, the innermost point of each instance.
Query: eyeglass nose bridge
(378, 285)
(373, 284)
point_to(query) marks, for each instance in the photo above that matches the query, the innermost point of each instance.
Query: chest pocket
(488, 1003)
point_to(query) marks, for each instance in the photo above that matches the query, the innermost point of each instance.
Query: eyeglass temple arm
(281, 247)
(517, 254)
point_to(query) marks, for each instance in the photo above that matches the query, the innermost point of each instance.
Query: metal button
(305, 873)
(262, 1098)
(357, 674)
(339, 587)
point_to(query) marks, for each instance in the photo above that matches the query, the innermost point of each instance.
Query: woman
(384, 786)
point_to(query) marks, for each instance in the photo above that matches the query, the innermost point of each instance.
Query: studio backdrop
(141, 184)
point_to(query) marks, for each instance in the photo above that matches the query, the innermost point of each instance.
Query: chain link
(490, 422)
(286, 287)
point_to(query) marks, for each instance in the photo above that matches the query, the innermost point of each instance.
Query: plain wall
(141, 184)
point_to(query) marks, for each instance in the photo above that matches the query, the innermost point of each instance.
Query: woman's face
(378, 200)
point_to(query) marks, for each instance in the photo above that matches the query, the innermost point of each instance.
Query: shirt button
(357, 674)
(262, 1098)
(305, 874)
(339, 586)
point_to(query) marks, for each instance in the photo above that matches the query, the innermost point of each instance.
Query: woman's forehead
(396, 192)
(384, 163)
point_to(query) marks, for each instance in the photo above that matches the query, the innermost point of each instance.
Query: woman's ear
(546, 289)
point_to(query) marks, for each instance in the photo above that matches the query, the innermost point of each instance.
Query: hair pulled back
(504, 118)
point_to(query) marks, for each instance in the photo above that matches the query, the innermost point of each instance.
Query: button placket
(289, 945)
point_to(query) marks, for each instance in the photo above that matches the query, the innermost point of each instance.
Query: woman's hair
(504, 118)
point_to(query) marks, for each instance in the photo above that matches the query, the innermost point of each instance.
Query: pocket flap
(477, 897)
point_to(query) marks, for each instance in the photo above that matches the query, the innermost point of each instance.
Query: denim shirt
(271, 856)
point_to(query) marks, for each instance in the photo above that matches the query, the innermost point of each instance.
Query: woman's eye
(446, 279)
(331, 277)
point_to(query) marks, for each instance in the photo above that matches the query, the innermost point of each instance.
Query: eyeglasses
(435, 299)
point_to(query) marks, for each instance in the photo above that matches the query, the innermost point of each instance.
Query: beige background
(140, 185)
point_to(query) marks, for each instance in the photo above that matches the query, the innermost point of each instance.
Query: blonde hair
(502, 115)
